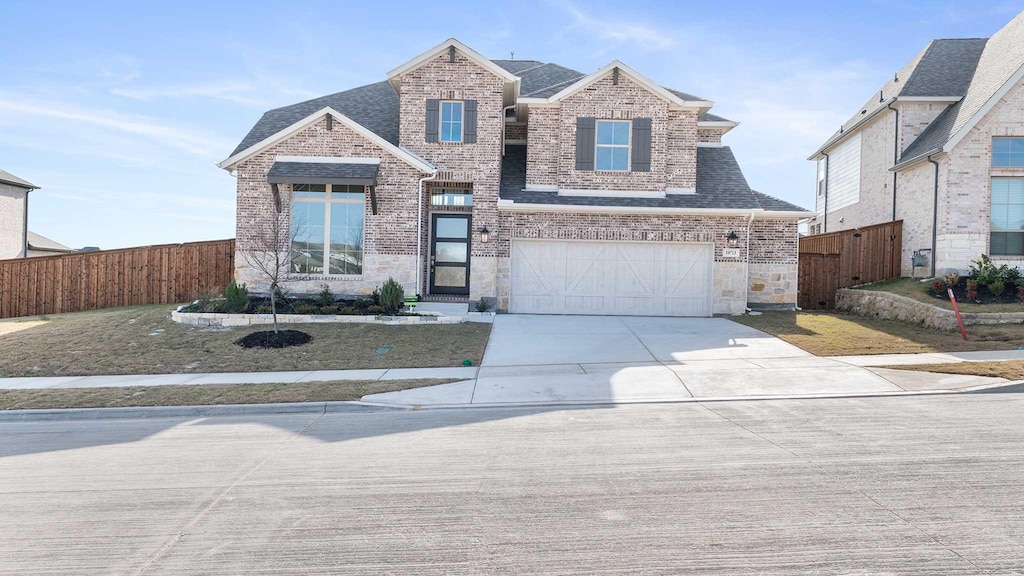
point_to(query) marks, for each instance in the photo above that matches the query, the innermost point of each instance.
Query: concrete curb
(141, 412)
(372, 407)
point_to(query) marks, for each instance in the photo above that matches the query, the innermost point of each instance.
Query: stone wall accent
(210, 319)
(12, 221)
(773, 284)
(389, 236)
(889, 306)
(479, 162)
(376, 269)
(728, 295)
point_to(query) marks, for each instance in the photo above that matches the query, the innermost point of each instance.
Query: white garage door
(617, 278)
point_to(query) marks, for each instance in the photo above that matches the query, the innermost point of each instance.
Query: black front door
(449, 254)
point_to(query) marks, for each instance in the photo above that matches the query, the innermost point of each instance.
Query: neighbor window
(451, 121)
(1008, 152)
(327, 229)
(1007, 217)
(612, 145)
(451, 197)
(822, 172)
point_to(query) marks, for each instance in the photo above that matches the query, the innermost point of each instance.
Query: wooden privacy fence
(164, 274)
(837, 260)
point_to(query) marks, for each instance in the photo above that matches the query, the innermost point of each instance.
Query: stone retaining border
(889, 306)
(212, 319)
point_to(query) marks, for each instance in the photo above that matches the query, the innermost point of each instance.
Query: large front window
(1008, 152)
(1007, 217)
(327, 229)
(451, 121)
(612, 145)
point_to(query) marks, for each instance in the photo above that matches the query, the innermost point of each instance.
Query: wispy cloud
(237, 92)
(190, 140)
(619, 31)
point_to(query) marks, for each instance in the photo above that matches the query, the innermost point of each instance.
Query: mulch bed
(268, 339)
(1009, 296)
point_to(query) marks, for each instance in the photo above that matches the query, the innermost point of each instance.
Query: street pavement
(894, 485)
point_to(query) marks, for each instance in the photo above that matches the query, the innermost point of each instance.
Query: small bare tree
(268, 250)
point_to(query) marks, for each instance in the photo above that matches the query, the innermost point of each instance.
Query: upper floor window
(822, 172)
(612, 145)
(451, 121)
(1008, 152)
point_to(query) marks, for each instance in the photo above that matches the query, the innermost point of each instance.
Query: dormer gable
(452, 47)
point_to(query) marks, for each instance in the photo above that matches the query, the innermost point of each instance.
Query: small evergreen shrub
(236, 297)
(329, 309)
(325, 297)
(997, 287)
(304, 308)
(392, 296)
(375, 309)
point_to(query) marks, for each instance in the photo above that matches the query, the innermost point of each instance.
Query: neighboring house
(16, 240)
(526, 185)
(941, 147)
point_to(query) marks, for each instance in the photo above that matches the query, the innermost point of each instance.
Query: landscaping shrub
(392, 296)
(952, 279)
(375, 309)
(263, 309)
(304, 308)
(997, 287)
(236, 298)
(329, 309)
(325, 297)
(1020, 293)
(972, 290)
(938, 286)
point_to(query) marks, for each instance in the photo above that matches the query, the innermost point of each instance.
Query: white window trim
(327, 200)
(462, 121)
(628, 145)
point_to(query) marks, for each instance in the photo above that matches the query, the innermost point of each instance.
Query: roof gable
(396, 73)
(11, 179)
(397, 151)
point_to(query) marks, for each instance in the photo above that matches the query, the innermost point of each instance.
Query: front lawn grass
(918, 290)
(202, 394)
(829, 334)
(1009, 369)
(143, 340)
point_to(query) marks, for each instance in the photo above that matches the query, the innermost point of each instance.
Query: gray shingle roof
(720, 184)
(709, 117)
(946, 68)
(1003, 55)
(38, 242)
(323, 173)
(8, 178)
(375, 106)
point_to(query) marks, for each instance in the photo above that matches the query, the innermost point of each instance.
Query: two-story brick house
(941, 147)
(524, 184)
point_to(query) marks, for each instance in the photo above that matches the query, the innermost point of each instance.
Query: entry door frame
(433, 253)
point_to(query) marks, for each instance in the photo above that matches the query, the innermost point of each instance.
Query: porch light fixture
(734, 239)
(485, 235)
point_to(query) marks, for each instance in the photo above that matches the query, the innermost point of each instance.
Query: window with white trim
(451, 121)
(1008, 152)
(327, 229)
(612, 145)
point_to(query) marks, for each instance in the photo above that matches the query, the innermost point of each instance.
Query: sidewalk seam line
(655, 358)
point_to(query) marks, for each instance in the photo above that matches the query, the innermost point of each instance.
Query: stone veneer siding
(478, 163)
(12, 221)
(389, 241)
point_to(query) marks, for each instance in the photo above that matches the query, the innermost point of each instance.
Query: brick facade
(12, 221)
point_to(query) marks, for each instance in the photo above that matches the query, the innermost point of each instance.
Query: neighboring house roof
(720, 186)
(44, 244)
(1000, 67)
(376, 106)
(11, 179)
(943, 70)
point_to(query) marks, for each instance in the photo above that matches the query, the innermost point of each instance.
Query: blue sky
(119, 110)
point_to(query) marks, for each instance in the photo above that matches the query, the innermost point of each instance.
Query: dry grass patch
(202, 394)
(829, 334)
(143, 340)
(1009, 369)
(918, 290)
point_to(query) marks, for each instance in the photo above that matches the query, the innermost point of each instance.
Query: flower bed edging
(213, 319)
(889, 306)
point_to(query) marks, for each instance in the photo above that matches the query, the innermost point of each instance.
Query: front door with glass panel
(449, 254)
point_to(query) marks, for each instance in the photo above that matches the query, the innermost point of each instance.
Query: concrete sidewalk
(930, 358)
(234, 378)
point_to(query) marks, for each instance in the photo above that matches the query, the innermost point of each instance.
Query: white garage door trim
(554, 276)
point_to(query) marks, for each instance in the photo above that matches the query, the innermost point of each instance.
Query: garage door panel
(567, 277)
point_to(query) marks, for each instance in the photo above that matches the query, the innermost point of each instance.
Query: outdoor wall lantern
(485, 235)
(734, 239)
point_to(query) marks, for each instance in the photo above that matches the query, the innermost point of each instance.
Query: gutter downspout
(895, 155)
(935, 215)
(746, 278)
(24, 230)
(824, 212)
(419, 234)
